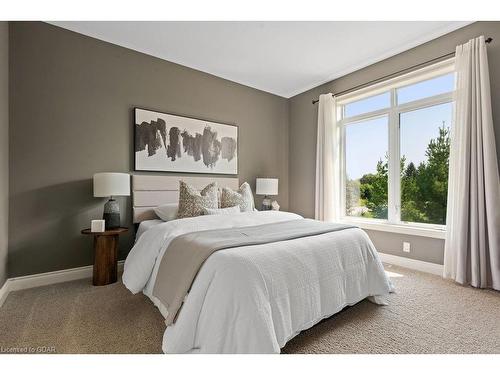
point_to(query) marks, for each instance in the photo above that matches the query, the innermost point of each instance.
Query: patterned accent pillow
(192, 203)
(243, 198)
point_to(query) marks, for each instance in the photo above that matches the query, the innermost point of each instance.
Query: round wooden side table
(105, 255)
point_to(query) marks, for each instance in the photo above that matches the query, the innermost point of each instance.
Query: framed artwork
(171, 143)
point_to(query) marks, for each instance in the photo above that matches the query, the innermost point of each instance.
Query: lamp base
(266, 204)
(111, 214)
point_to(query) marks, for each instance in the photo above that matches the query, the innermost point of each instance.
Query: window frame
(393, 222)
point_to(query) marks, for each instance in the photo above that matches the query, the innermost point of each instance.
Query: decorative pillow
(223, 211)
(167, 212)
(192, 203)
(243, 198)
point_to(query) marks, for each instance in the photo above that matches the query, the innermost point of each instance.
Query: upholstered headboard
(149, 191)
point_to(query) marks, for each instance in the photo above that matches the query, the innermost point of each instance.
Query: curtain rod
(488, 40)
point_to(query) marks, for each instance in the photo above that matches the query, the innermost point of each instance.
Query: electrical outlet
(406, 247)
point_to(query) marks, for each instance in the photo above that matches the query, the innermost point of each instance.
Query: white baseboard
(418, 265)
(41, 279)
(47, 278)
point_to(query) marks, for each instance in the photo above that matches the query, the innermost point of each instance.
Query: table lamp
(111, 185)
(266, 187)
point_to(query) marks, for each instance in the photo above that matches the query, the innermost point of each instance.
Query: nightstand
(105, 255)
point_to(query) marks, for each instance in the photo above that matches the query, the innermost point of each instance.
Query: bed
(252, 298)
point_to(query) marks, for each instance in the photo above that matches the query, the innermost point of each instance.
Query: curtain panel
(327, 197)
(472, 246)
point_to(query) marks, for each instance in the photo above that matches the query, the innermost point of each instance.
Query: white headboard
(149, 192)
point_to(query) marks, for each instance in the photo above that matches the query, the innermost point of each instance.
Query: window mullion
(394, 196)
(343, 170)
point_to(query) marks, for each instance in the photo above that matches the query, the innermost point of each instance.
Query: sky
(367, 141)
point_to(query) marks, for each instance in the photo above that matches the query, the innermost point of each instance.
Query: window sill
(413, 230)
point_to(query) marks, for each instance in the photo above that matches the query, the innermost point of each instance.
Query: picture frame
(165, 142)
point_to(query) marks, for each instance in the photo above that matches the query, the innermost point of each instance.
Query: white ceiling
(283, 58)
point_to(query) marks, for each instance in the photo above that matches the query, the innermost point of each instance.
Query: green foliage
(373, 189)
(423, 189)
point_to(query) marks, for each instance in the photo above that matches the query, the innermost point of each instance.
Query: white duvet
(254, 299)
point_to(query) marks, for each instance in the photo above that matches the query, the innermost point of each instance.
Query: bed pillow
(167, 212)
(243, 198)
(192, 203)
(223, 211)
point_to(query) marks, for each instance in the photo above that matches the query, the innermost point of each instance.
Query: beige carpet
(425, 315)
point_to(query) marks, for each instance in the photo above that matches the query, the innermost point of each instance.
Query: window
(365, 196)
(424, 89)
(395, 149)
(425, 147)
(368, 105)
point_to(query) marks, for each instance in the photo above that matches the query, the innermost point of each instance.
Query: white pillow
(167, 212)
(223, 211)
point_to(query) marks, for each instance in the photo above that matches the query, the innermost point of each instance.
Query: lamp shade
(111, 184)
(266, 186)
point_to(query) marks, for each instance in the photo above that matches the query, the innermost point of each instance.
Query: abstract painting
(170, 143)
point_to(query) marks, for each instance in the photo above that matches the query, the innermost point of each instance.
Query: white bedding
(145, 225)
(254, 299)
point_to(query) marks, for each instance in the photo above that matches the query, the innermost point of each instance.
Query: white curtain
(472, 247)
(327, 161)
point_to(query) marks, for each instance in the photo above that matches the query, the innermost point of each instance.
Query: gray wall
(4, 148)
(71, 116)
(303, 124)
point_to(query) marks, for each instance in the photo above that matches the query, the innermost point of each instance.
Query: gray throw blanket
(186, 253)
